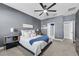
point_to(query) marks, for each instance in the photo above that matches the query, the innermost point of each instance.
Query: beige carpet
(57, 48)
(61, 48)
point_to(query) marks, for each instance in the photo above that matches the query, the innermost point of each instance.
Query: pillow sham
(28, 33)
(25, 34)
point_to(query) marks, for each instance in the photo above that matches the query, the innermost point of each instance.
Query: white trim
(65, 22)
(1, 48)
(58, 39)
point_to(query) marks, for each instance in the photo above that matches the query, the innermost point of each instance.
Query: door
(68, 30)
(51, 30)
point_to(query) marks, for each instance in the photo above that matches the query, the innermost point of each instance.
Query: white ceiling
(28, 8)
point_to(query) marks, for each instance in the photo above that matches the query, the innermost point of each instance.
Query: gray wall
(77, 25)
(10, 17)
(59, 24)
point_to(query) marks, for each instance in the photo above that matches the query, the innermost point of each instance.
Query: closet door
(68, 30)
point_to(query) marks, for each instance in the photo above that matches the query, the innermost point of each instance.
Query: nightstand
(11, 41)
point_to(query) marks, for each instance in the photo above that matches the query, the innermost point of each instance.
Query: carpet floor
(57, 48)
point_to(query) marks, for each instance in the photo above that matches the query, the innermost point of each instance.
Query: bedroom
(20, 19)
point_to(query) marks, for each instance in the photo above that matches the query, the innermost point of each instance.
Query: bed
(35, 47)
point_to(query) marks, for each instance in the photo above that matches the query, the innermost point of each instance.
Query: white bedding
(35, 47)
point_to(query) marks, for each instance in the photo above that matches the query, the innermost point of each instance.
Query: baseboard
(1, 48)
(58, 39)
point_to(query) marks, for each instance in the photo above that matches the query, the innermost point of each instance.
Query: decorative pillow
(33, 33)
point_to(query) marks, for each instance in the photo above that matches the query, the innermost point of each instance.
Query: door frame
(72, 28)
(48, 29)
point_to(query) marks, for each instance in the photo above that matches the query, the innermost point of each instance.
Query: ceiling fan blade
(38, 10)
(42, 5)
(40, 14)
(47, 14)
(52, 10)
(51, 5)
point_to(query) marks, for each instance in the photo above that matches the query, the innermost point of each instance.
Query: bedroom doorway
(68, 30)
(51, 30)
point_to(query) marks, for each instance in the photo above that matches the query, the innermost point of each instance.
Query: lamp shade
(12, 30)
(37, 29)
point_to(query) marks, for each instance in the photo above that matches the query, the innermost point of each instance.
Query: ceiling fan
(45, 9)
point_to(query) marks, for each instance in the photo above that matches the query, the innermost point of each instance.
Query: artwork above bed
(27, 26)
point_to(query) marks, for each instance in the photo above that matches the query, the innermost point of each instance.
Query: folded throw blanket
(42, 38)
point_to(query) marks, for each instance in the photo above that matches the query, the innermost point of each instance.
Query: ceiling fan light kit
(45, 11)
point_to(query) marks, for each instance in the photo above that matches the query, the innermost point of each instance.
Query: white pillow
(25, 34)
